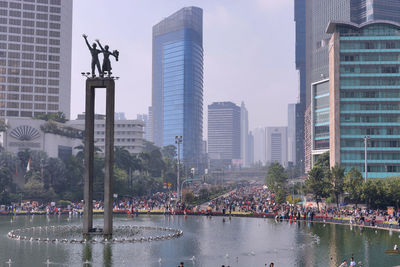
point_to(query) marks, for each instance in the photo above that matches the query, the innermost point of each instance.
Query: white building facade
(127, 133)
(276, 145)
(23, 134)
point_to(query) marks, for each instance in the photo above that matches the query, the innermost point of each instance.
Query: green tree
(323, 161)
(73, 187)
(156, 164)
(58, 117)
(34, 188)
(317, 183)
(336, 179)
(5, 178)
(353, 183)
(276, 177)
(121, 182)
(54, 174)
(122, 158)
(374, 194)
(169, 152)
(393, 191)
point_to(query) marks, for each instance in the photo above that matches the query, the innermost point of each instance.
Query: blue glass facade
(369, 97)
(178, 82)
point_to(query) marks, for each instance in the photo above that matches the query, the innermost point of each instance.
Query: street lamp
(366, 138)
(178, 141)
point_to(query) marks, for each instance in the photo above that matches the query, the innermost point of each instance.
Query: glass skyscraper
(368, 10)
(177, 96)
(365, 96)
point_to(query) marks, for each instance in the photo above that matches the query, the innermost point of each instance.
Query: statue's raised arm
(101, 47)
(95, 56)
(87, 43)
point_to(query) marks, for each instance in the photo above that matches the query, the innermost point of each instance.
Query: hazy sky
(248, 53)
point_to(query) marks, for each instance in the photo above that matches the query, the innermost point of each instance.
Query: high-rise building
(149, 127)
(291, 134)
(244, 138)
(260, 156)
(364, 94)
(276, 145)
(120, 116)
(369, 10)
(145, 119)
(307, 140)
(251, 148)
(177, 94)
(35, 57)
(312, 18)
(224, 131)
(319, 120)
(300, 8)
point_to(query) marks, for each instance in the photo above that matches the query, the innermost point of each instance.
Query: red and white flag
(28, 167)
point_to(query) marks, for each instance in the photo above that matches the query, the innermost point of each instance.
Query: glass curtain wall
(370, 97)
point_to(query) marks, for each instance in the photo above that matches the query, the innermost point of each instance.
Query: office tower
(244, 138)
(127, 133)
(35, 57)
(276, 145)
(319, 120)
(177, 97)
(224, 131)
(260, 156)
(145, 119)
(291, 134)
(120, 116)
(364, 92)
(312, 18)
(307, 140)
(251, 148)
(369, 10)
(149, 126)
(300, 8)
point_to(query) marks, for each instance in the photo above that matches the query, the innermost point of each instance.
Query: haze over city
(228, 133)
(248, 56)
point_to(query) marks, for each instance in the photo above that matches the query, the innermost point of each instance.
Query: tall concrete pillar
(109, 157)
(91, 85)
(89, 154)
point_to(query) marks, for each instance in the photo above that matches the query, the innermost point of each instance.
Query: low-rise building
(58, 140)
(127, 133)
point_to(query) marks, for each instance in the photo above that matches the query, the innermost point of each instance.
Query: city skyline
(223, 22)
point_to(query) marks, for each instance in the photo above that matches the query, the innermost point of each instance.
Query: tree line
(334, 184)
(50, 179)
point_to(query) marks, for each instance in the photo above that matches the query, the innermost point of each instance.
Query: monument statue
(106, 67)
(95, 56)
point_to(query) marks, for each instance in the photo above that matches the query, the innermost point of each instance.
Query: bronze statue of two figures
(106, 67)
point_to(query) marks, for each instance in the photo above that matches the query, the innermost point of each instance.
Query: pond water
(205, 242)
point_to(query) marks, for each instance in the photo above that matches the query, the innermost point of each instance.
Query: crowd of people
(244, 199)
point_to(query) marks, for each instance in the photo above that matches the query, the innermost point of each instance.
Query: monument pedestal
(91, 85)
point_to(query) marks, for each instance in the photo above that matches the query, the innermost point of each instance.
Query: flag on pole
(28, 167)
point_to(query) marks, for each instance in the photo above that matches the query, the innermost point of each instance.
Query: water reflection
(207, 242)
(87, 257)
(107, 255)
